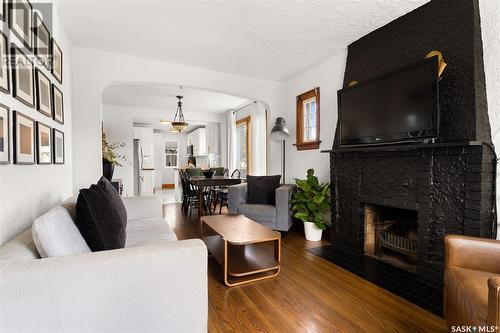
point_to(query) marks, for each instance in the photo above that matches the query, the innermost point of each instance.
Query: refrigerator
(144, 172)
(137, 165)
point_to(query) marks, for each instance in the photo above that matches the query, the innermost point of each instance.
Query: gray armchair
(278, 217)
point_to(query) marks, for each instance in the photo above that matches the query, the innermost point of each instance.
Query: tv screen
(399, 106)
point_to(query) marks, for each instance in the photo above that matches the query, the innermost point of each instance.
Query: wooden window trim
(300, 143)
(248, 122)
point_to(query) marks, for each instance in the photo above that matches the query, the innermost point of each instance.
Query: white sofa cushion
(55, 234)
(20, 248)
(149, 231)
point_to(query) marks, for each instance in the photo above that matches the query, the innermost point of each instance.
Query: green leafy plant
(110, 154)
(312, 200)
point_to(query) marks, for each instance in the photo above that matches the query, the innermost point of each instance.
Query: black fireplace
(443, 187)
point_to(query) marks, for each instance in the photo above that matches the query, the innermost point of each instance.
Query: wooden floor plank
(309, 295)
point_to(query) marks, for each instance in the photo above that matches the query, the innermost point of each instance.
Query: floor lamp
(280, 133)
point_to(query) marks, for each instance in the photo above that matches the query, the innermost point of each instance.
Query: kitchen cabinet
(146, 138)
(147, 182)
(212, 138)
(198, 139)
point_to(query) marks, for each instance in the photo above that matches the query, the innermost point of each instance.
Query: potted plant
(310, 203)
(110, 157)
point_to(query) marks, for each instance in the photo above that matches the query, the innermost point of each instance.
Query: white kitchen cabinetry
(145, 135)
(198, 139)
(212, 138)
(147, 141)
(147, 182)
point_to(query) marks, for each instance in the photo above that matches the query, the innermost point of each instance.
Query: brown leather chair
(471, 281)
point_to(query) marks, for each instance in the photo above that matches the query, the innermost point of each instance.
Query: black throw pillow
(99, 221)
(261, 189)
(113, 195)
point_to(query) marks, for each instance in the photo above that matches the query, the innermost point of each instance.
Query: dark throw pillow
(261, 189)
(113, 195)
(99, 219)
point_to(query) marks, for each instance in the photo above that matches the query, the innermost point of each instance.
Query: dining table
(201, 182)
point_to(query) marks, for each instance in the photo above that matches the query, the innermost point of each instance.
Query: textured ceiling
(162, 97)
(263, 39)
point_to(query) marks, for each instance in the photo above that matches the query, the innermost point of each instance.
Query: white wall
(93, 70)
(328, 76)
(258, 136)
(118, 127)
(490, 30)
(27, 191)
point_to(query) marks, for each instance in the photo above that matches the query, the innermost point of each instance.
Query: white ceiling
(274, 39)
(162, 97)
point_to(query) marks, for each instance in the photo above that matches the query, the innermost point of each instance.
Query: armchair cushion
(261, 189)
(465, 300)
(260, 213)
(471, 281)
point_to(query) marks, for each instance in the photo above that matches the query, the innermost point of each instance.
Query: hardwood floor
(309, 295)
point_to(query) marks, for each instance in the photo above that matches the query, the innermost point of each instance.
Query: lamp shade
(280, 131)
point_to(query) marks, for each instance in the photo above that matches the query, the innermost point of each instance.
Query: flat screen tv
(396, 107)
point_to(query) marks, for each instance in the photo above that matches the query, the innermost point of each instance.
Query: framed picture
(58, 140)
(43, 143)
(24, 139)
(57, 105)
(3, 10)
(4, 135)
(41, 41)
(20, 20)
(43, 93)
(22, 77)
(4, 65)
(57, 62)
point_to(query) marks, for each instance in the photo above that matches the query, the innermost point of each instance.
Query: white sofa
(155, 284)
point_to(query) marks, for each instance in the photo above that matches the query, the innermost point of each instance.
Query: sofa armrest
(493, 318)
(155, 288)
(237, 195)
(472, 253)
(283, 207)
(143, 207)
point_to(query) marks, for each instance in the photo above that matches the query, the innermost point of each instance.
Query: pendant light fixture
(178, 124)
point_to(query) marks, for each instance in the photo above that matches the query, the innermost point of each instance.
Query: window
(308, 120)
(243, 154)
(171, 154)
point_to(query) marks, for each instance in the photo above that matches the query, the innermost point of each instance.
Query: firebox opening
(391, 235)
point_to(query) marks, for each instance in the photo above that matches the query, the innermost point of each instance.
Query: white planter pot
(313, 233)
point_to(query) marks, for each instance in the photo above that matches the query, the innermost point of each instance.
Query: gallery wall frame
(58, 150)
(57, 104)
(23, 138)
(22, 77)
(43, 88)
(57, 61)
(41, 41)
(20, 14)
(44, 146)
(3, 10)
(4, 65)
(4, 134)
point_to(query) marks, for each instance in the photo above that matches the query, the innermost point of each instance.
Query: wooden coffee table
(233, 240)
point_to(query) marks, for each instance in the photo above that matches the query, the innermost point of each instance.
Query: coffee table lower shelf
(244, 263)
